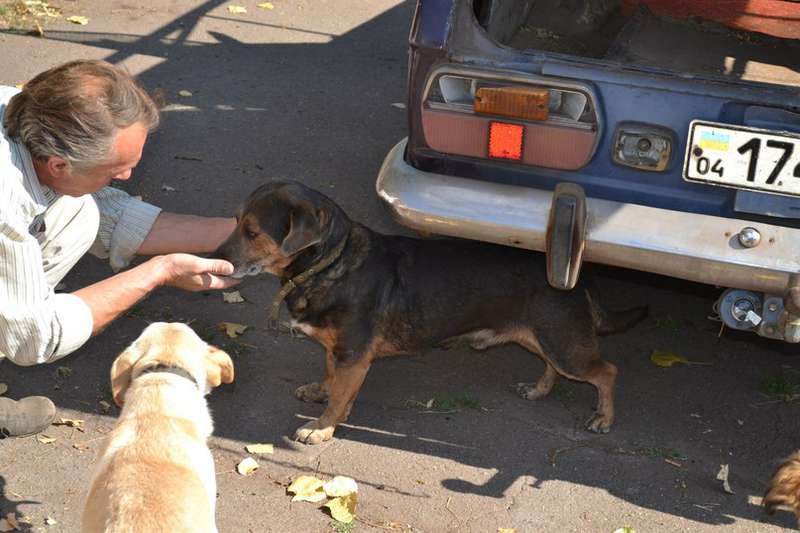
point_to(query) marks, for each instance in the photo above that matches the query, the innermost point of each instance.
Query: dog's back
(156, 472)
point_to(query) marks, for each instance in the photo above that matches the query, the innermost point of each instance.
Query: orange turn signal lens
(505, 140)
(524, 103)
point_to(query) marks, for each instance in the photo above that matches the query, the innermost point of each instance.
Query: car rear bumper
(683, 245)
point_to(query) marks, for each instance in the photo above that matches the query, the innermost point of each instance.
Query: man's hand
(193, 273)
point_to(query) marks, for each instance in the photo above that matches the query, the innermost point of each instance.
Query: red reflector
(505, 140)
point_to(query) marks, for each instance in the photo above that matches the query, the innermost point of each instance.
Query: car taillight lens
(558, 121)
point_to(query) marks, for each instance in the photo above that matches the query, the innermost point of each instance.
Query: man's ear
(219, 367)
(304, 230)
(121, 372)
(57, 166)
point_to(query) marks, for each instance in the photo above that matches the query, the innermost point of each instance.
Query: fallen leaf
(237, 9)
(50, 521)
(231, 329)
(260, 448)
(307, 489)
(104, 406)
(77, 424)
(625, 529)
(399, 105)
(3, 388)
(340, 486)
(77, 19)
(232, 297)
(672, 462)
(722, 475)
(168, 188)
(247, 466)
(80, 446)
(11, 518)
(343, 508)
(63, 371)
(266, 5)
(667, 359)
(44, 439)
(184, 92)
(507, 530)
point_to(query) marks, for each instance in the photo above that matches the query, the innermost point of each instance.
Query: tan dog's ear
(121, 372)
(219, 367)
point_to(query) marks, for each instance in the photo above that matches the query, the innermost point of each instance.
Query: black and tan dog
(365, 296)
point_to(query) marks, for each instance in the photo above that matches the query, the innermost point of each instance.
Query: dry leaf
(184, 92)
(266, 5)
(307, 489)
(722, 475)
(104, 406)
(77, 19)
(3, 388)
(340, 486)
(81, 447)
(77, 424)
(667, 359)
(343, 508)
(260, 448)
(63, 371)
(232, 329)
(50, 521)
(11, 520)
(237, 9)
(509, 530)
(232, 297)
(247, 466)
(44, 439)
(625, 529)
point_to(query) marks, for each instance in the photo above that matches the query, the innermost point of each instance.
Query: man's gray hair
(75, 111)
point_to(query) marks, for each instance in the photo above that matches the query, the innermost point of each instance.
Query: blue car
(661, 136)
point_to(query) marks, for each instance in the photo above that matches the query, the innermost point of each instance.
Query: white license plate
(743, 157)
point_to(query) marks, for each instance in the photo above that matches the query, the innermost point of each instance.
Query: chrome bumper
(694, 247)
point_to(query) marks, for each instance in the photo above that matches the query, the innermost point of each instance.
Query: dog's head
(174, 345)
(277, 223)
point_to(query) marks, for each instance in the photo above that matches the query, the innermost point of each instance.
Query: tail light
(557, 122)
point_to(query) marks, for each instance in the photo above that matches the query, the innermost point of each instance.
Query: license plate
(743, 157)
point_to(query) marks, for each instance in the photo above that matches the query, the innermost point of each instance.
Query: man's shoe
(27, 416)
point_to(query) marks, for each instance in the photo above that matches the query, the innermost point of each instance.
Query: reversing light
(505, 140)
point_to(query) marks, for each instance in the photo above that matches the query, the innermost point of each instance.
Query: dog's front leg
(344, 386)
(318, 392)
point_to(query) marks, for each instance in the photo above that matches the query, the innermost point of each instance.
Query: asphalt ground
(305, 91)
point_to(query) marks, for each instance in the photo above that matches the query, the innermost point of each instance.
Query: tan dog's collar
(301, 278)
(172, 369)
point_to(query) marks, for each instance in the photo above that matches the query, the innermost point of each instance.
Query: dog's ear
(304, 230)
(219, 367)
(121, 371)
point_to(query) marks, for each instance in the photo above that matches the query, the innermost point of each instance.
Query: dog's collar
(301, 278)
(172, 369)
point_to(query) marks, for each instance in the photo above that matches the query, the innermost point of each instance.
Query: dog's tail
(608, 322)
(785, 486)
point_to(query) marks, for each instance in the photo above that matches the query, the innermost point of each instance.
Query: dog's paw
(785, 486)
(531, 391)
(311, 392)
(311, 433)
(599, 423)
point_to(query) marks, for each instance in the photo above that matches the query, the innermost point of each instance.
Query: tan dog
(785, 486)
(155, 473)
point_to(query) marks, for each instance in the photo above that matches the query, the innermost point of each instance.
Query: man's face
(125, 155)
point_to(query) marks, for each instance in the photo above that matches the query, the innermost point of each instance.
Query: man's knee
(71, 226)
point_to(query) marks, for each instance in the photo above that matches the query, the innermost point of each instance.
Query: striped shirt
(38, 325)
